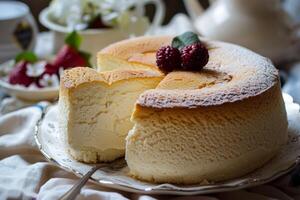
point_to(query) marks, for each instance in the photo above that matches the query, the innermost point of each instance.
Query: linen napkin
(25, 174)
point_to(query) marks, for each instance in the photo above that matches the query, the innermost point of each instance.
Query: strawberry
(50, 69)
(68, 57)
(18, 75)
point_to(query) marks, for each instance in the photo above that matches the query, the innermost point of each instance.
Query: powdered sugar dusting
(251, 74)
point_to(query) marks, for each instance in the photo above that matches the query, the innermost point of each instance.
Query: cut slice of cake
(95, 109)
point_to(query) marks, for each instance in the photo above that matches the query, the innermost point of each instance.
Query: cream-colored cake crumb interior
(95, 110)
(183, 80)
(103, 110)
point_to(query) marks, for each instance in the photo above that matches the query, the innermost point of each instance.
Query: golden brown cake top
(134, 48)
(233, 73)
(80, 75)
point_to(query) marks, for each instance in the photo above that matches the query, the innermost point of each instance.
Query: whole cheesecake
(216, 124)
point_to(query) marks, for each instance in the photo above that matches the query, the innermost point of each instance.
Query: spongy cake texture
(216, 124)
(95, 109)
(211, 143)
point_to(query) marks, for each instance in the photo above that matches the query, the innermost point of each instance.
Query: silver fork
(75, 190)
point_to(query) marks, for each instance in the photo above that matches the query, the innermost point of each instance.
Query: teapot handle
(160, 11)
(138, 25)
(194, 8)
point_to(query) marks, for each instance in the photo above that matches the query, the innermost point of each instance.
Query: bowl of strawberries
(31, 78)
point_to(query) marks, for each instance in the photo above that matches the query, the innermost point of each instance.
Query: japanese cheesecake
(215, 124)
(95, 110)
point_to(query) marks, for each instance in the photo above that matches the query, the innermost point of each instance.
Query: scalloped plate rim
(212, 188)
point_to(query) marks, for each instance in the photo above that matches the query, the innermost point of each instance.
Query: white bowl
(93, 40)
(27, 94)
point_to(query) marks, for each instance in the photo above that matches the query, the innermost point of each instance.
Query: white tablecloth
(25, 174)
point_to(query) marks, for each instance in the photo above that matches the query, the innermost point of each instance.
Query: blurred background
(176, 6)
(268, 27)
(39, 39)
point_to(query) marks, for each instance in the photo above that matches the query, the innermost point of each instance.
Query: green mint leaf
(87, 56)
(73, 39)
(185, 39)
(27, 56)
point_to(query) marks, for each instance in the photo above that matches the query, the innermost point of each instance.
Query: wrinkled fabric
(25, 173)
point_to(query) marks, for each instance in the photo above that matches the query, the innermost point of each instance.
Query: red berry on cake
(168, 58)
(186, 52)
(194, 57)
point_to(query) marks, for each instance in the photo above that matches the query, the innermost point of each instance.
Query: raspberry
(194, 57)
(168, 58)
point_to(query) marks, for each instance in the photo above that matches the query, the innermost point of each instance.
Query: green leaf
(73, 39)
(87, 56)
(185, 39)
(27, 56)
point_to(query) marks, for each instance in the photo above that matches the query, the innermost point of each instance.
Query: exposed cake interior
(97, 107)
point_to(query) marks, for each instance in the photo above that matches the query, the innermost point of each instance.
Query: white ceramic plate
(116, 176)
(27, 94)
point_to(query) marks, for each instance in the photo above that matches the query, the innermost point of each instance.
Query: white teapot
(260, 25)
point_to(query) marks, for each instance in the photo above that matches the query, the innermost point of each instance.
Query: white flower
(49, 80)
(36, 69)
(32, 86)
(76, 14)
(60, 71)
